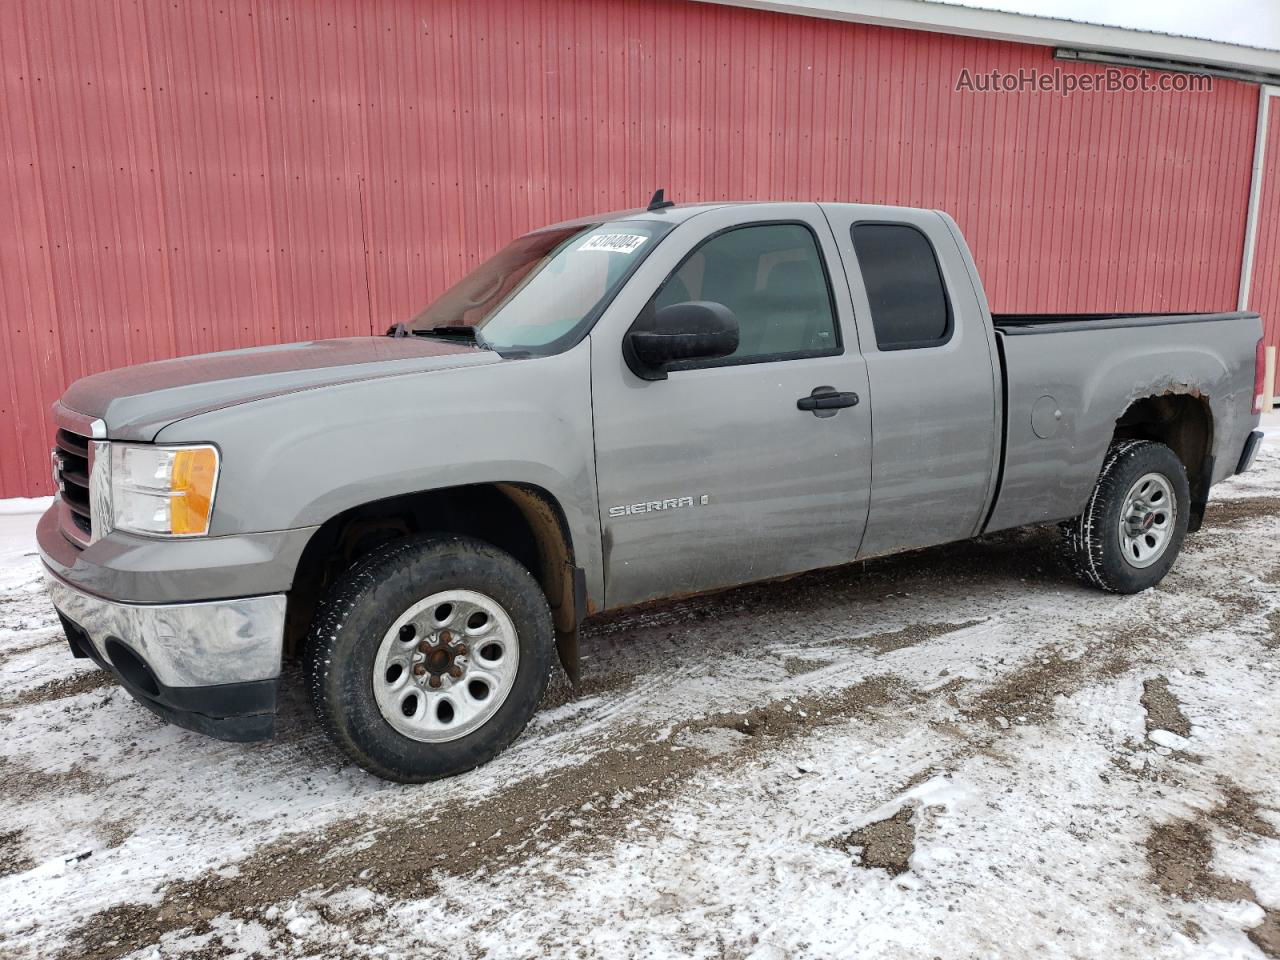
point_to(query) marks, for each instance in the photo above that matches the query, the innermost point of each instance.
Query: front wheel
(1133, 525)
(429, 657)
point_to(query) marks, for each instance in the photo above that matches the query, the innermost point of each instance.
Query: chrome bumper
(183, 645)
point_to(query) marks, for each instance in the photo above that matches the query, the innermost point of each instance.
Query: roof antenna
(659, 201)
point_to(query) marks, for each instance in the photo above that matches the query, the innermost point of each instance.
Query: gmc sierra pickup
(609, 411)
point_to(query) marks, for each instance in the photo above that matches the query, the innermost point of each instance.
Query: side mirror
(694, 330)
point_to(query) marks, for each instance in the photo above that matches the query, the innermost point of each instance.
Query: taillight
(1259, 374)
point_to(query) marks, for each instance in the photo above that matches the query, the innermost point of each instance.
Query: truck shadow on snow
(1008, 560)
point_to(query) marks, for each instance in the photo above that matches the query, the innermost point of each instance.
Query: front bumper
(137, 569)
(212, 667)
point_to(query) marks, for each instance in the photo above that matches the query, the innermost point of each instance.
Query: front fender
(299, 459)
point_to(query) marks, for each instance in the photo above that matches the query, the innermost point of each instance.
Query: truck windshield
(539, 293)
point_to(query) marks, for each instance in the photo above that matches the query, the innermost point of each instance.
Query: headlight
(162, 491)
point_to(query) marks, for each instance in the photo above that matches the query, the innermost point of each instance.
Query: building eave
(1023, 28)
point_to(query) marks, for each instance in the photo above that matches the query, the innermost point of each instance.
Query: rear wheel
(429, 657)
(1133, 525)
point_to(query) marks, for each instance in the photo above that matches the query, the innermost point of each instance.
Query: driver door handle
(827, 401)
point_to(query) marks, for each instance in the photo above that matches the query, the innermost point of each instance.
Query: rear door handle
(827, 401)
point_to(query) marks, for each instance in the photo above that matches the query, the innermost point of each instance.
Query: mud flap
(1200, 495)
(567, 648)
(567, 640)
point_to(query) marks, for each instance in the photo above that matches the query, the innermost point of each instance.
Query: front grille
(73, 454)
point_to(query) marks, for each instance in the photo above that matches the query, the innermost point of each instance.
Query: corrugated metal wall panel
(1264, 286)
(197, 176)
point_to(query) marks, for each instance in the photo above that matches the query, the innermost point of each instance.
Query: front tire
(429, 657)
(1134, 523)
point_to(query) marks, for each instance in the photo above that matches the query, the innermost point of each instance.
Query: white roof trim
(1022, 28)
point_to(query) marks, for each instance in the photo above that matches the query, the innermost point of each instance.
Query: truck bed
(1068, 377)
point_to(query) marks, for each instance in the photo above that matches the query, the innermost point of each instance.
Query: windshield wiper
(455, 330)
(463, 331)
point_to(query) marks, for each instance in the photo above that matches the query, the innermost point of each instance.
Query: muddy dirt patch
(1240, 810)
(1266, 935)
(12, 859)
(908, 636)
(560, 691)
(796, 666)
(1027, 695)
(20, 782)
(886, 844)
(85, 681)
(793, 717)
(1226, 512)
(1164, 712)
(1179, 857)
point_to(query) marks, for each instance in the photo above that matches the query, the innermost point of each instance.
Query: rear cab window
(909, 304)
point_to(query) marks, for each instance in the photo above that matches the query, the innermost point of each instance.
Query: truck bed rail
(1030, 323)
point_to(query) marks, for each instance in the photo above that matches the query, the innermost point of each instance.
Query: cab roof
(681, 212)
(678, 213)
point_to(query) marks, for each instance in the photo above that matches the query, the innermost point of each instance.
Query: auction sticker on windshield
(614, 242)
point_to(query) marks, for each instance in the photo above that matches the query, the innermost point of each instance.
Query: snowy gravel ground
(957, 752)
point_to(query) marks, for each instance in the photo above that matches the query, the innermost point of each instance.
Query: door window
(773, 279)
(909, 306)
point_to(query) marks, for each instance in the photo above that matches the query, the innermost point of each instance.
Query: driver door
(714, 475)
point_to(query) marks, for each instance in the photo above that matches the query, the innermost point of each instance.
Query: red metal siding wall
(1264, 285)
(182, 177)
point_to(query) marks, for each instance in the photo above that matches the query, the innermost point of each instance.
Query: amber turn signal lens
(195, 469)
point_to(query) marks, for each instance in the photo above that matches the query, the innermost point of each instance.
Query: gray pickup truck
(609, 411)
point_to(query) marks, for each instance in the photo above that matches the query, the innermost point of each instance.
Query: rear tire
(1134, 523)
(429, 657)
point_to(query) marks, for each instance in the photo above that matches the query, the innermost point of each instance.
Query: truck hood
(136, 403)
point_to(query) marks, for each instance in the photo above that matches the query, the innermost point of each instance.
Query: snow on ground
(16, 506)
(956, 753)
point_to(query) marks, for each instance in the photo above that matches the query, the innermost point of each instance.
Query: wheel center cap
(1148, 520)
